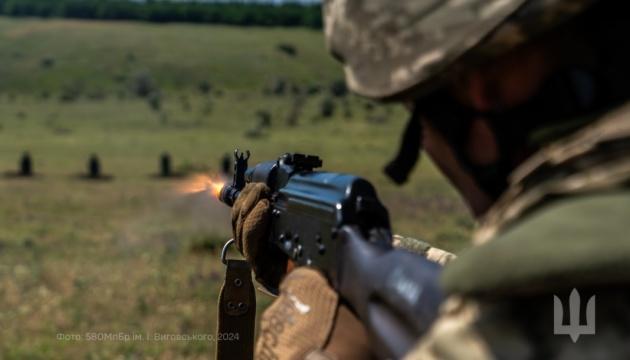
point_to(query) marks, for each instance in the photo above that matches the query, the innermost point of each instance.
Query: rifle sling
(237, 313)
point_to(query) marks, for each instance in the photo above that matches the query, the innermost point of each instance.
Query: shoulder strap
(237, 313)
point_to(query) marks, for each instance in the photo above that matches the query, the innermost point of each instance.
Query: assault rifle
(336, 223)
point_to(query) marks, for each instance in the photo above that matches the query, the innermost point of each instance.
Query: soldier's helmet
(393, 47)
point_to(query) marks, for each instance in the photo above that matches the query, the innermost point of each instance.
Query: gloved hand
(307, 321)
(250, 227)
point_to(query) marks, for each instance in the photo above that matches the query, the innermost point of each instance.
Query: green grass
(123, 255)
(98, 54)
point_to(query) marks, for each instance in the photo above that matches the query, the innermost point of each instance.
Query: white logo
(301, 307)
(574, 329)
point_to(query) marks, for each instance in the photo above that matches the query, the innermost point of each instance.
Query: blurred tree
(231, 13)
(338, 88)
(288, 49)
(204, 87)
(327, 108)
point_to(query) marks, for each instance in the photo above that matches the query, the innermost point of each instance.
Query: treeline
(230, 13)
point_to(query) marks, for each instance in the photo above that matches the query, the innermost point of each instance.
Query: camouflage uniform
(423, 248)
(562, 222)
(560, 225)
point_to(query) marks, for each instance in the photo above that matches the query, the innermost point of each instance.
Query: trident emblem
(574, 329)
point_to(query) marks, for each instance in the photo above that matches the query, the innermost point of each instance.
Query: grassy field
(132, 255)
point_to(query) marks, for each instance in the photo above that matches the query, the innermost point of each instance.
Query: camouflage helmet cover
(389, 47)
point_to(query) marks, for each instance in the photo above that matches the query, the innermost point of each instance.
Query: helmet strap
(409, 152)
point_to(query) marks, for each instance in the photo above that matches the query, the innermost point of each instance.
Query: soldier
(523, 105)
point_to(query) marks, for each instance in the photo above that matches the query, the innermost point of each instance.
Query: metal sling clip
(225, 250)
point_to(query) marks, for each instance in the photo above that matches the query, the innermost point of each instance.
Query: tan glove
(250, 227)
(307, 322)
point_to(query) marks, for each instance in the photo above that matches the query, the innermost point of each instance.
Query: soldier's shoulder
(577, 241)
(523, 328)
(593, 159)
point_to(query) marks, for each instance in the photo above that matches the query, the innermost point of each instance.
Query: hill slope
(131, 255)
(44, 55)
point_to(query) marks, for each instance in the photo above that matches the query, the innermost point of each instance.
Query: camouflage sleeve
(523, 328)
(423, 248)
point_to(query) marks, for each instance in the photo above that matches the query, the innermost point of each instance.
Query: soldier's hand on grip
(250, 227)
